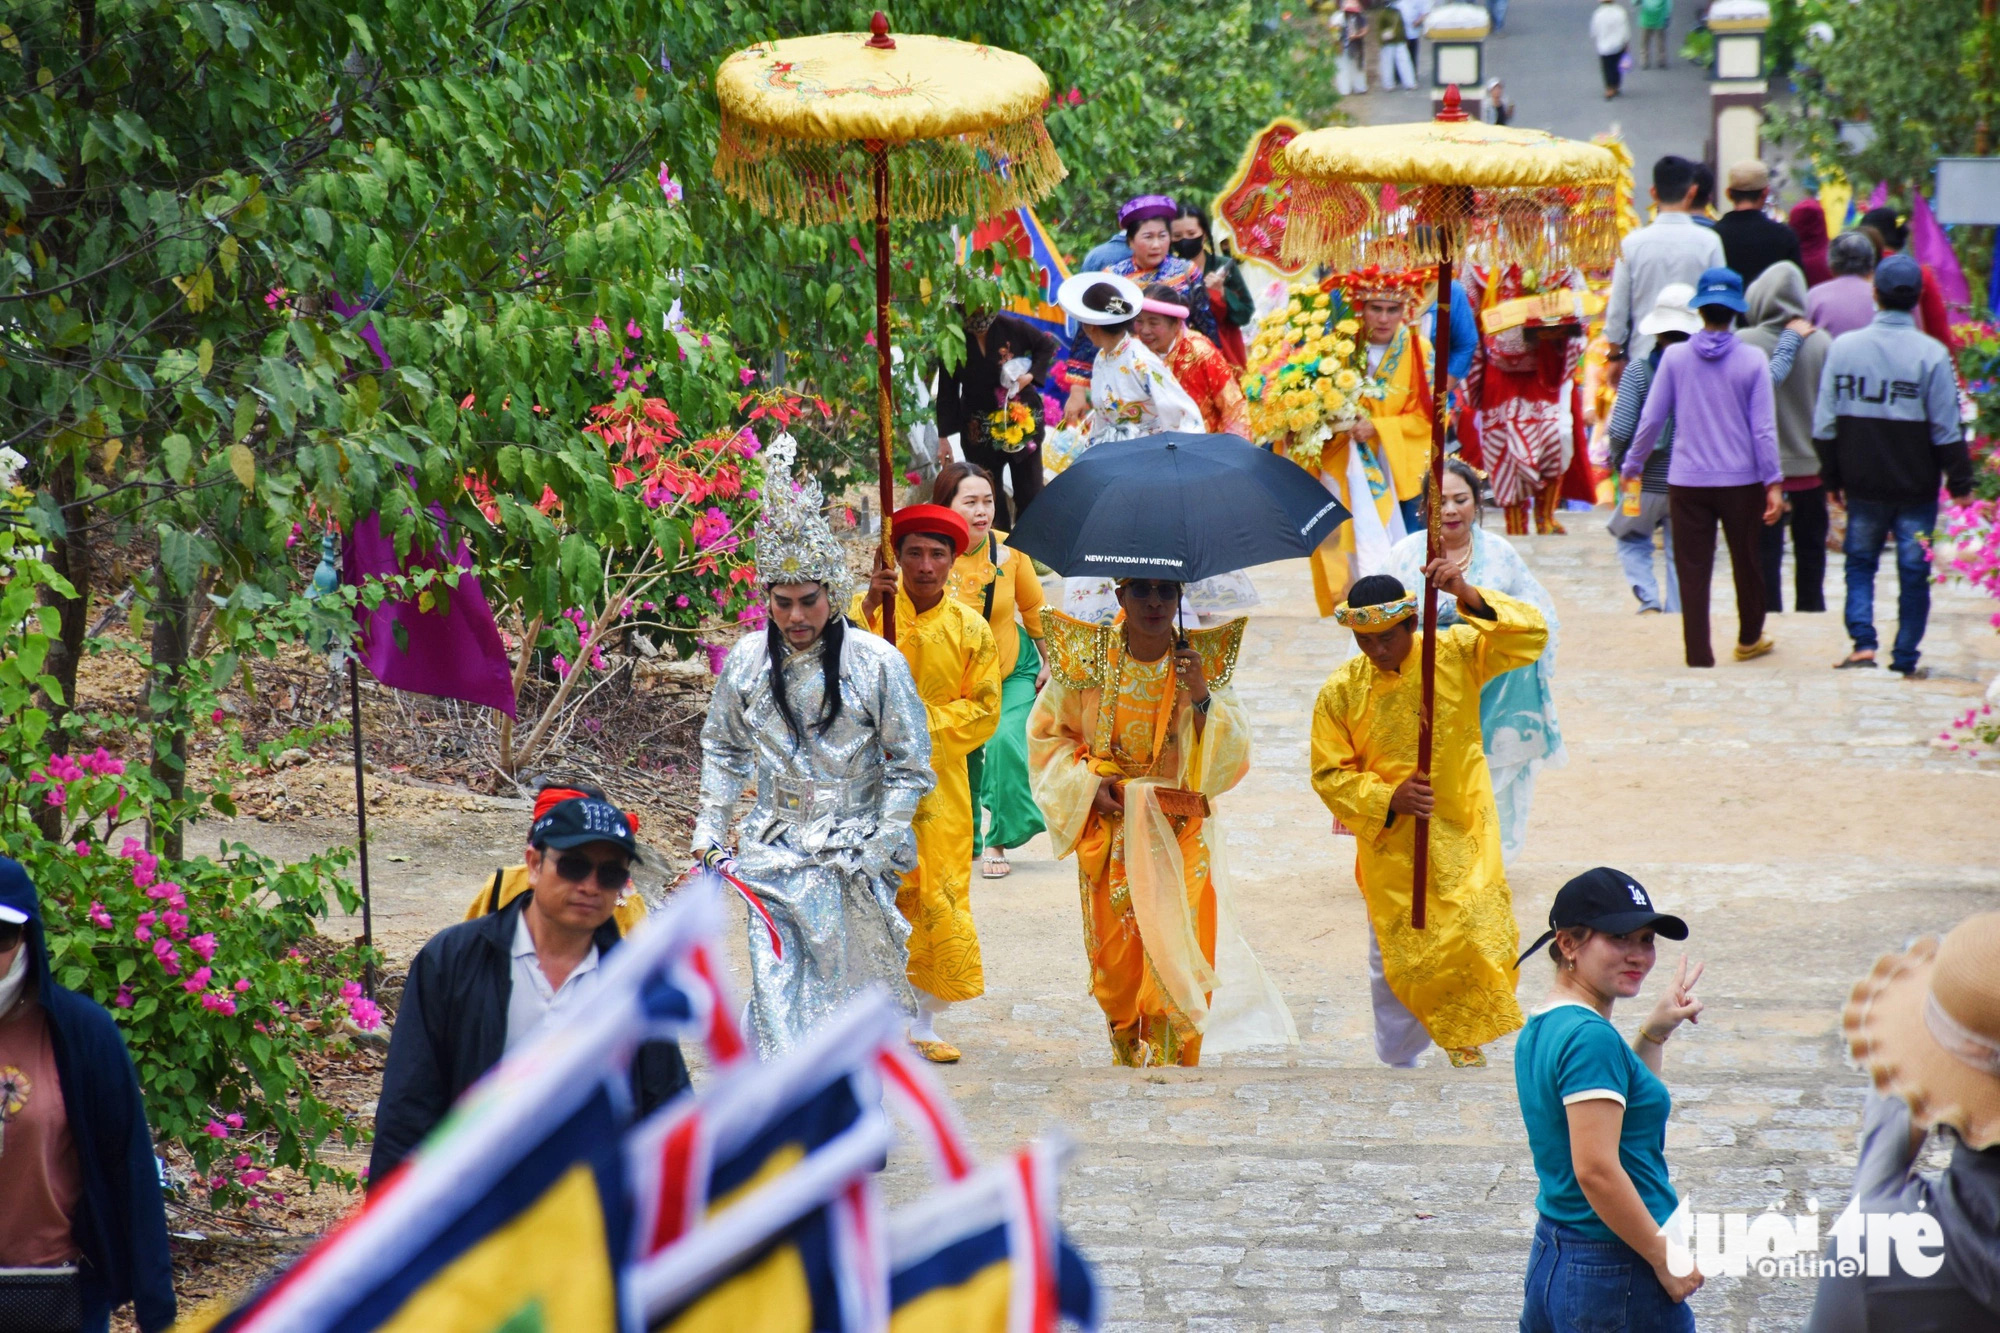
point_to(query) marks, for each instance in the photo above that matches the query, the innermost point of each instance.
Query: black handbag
(40, 1300)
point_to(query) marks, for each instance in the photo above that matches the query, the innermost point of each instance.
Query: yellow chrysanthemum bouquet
(1308, 374)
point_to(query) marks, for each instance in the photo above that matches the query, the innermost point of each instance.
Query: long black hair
(830, 640)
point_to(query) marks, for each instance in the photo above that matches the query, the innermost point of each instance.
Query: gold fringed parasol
(1443, 192)
(849, 126)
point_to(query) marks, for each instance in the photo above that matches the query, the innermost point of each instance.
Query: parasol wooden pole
(1433, 546)
(884, 402)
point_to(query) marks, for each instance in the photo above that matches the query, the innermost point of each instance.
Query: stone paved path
(1795, 816)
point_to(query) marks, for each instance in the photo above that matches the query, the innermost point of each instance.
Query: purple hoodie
(1717, 391)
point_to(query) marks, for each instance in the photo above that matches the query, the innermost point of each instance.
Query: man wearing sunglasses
(486, 987)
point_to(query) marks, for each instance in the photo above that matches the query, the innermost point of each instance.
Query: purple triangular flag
(1929, 245)
(454, 653)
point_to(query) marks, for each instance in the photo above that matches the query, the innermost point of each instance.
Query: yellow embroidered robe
(1456, 975)
(952, 657)
(1402, 437)
(1149, 905)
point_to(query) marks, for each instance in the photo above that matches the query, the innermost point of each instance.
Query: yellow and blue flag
(986, 1254)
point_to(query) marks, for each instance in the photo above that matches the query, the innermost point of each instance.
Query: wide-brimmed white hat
(1672, 312)
(1123, 302)
(1926, 1024)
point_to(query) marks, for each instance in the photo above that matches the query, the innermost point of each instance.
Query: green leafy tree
(1920, 73)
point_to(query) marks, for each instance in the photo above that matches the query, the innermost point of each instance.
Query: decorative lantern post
(1738, 89)
(1458, 35)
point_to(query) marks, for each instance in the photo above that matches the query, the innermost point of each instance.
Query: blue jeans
(1635, 553)
(1497, 11)
(1869, 524)
(1577, 1284)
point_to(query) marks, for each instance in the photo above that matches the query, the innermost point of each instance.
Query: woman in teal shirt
(1596, 1114)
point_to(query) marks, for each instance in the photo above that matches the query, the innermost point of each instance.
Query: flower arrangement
(1012, 427)
(1309, 378)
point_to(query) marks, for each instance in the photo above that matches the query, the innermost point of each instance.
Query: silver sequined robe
(827, 839)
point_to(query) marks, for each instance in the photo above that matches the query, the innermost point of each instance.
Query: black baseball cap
(584, 819)
(1607, 900)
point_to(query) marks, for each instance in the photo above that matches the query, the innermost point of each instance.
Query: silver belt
(807, 801)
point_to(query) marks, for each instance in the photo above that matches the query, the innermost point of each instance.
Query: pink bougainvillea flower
(745, 374)
(252, 1177)
(57, 796)
(217, 716)
(242, 985)
(203, 944)
(123, 1000)
(234, 1120)
(215, 1129)
(197, 980)
(219, 1004)
(669, 187)
(82, 847)
(98, 916)
(242, 1162)
(143, 934)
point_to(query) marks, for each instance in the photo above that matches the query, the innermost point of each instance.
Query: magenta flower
(219, 1004)
(203, 944)
(215, 1129)
(57, 796)
(123, 1000)
(82, 847)
(98, 916)
(197, 980)
(745, 375)
(142, 933)
(367, 1015)
(242, 985)
(252, 1177)
(242, 1162)
(234, 1120)
(669, 187)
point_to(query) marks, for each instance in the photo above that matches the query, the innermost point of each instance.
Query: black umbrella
(1176, 506)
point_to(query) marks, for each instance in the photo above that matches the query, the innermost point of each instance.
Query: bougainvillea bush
(211, 964)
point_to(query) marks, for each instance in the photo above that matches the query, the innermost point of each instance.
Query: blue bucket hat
(1720, 286)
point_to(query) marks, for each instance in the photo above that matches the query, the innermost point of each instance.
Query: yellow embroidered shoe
(937, 1052)
(1746, 651)
(1466, 1057)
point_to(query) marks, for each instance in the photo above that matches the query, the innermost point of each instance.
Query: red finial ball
(1450, 109)
(879, 26)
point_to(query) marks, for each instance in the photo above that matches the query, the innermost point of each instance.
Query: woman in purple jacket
(1717, 392)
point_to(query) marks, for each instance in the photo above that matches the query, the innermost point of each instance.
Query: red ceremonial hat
(946, 523)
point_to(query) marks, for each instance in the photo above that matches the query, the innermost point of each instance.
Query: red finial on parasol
(1450, 108)
(882, 41)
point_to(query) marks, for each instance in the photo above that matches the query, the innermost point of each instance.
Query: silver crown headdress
(794, 543)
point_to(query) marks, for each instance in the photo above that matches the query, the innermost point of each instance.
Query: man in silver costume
(837, 760)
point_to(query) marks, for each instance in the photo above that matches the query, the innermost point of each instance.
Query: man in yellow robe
(1128, 744)
(956, 666)
(1453, 981)
(1395, 440)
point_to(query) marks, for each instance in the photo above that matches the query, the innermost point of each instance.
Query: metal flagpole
(361, 827)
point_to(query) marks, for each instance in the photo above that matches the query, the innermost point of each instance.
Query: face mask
(1189, 248)
(16, 978)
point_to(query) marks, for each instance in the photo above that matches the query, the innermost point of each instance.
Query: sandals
(1466, 1057)
(994, 865)
(937, 1052)
(1853, 661)
(1748, 651)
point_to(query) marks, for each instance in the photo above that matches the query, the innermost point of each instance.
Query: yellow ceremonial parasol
(1440, 192)
(847, 125)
